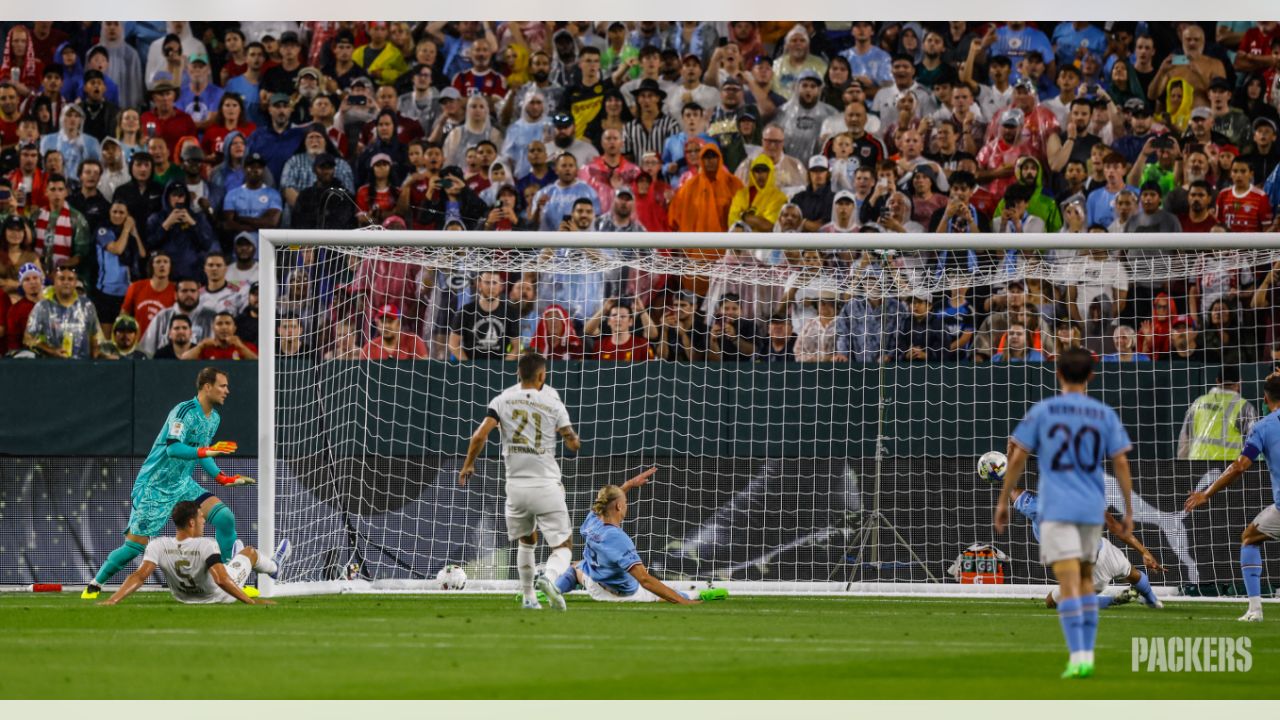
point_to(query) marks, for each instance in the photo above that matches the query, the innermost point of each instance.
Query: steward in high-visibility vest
(1217, 422)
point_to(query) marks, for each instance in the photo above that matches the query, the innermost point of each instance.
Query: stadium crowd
(139, 161)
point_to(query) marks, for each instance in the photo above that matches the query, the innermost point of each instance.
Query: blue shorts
(148, 518)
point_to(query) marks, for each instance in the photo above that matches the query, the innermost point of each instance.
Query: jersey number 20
(1076, 450)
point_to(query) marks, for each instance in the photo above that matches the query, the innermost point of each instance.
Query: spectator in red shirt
(997, 158)
(9, 114)
(621, 345)
(390, 343)
(20, 55)
(164, 119)
(1243, 207)
(224, 345)
(377, 199)
(30, 285)
(146, 298)
(1201, 211)
(609, 171)
(480, 78)
(28, 180)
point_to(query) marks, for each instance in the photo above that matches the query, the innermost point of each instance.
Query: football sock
(1251, 566)
(224, 530)
(265, 564)
(558, 561)
(525, 558)
(1069, 617)
(1144, 588)
(1088, 624)
(567, 581)
(1104, 601)
(118, 560)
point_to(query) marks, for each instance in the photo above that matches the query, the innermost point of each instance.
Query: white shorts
(1268, 522)
(238, 570)
(604, 594)
(541, 508)
(1111, 566)
(1068, 541)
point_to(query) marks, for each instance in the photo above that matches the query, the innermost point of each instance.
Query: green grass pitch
(484, 647)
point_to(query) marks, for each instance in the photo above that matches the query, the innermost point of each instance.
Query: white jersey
(185, 564)
(529, 421)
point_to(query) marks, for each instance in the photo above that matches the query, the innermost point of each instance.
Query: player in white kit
(530, 415)
(192, 564)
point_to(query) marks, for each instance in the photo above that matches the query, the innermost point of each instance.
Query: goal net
(815, 413)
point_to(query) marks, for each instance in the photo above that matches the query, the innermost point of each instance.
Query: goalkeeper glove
(234, 480)
(219, 448)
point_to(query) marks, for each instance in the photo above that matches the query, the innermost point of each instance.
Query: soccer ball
(991, 466)
(452, 577)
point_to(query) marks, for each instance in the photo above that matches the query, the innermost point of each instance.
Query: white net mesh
(815, 415)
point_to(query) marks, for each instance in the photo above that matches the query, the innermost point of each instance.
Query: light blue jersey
(1073, 434)
(165, 481)
(608, 555)
(1264, 439)
(1029, 506)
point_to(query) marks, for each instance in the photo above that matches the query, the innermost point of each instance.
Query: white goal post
(881, 505)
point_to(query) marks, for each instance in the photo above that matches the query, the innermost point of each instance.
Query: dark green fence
(725, 410)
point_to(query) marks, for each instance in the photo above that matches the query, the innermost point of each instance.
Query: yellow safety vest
(1214, 435)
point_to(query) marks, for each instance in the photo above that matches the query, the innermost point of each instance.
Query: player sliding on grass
(1073, 434)
(165, 478)
(1109, 565)
(193, 565)
(611, 569)
(1264, 439)
(530, 415)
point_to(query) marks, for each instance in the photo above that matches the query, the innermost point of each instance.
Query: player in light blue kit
(1109, 565)
(1073, 434)
(165, 478)
(611, 569)
(1264, 439)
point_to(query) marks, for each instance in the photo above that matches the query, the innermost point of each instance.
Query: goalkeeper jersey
(529, 421)
(161, 479)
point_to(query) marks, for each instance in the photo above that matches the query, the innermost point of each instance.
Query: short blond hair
(607, 495)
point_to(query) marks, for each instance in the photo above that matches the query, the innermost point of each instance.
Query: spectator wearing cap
(1228, 120)
(71, 141)
(1264, 155)
(299, 170)
(310, 86)
(621, 216)
(193, 170)
(248, 83)
(114, 173)
(181, 233)
(199, 97)
(141, 194)
(817, 198)
(1243, 207)
(377, 198)
(29, 291)
(64, 324)
(760, 201)
(794, 60)
(759, 82)
(1039, 123)
(803, 115)
(453, 113)
(164, 119)
(276, 142)
(1184, 340)
(844, 214)
(565, 140)
(1163, 170)
(50, 95)
(123, 343)
(325, 204)
(389, 341)
(869, 65)
(252, 206)
(885, 103)
(997, 160)
(1135, 129)
(380, 59)
(690, 89)
(1198, 70)
(342, 70)
(282, 77)
(102, 115)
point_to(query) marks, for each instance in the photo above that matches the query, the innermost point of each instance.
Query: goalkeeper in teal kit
(165, 478)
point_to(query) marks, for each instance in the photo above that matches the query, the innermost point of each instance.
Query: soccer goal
(815, 404)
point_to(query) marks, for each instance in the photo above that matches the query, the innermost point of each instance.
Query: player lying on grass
(193, 568)
(1264, 439)
(1110, 565)
(165, 478)
(611, 569)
